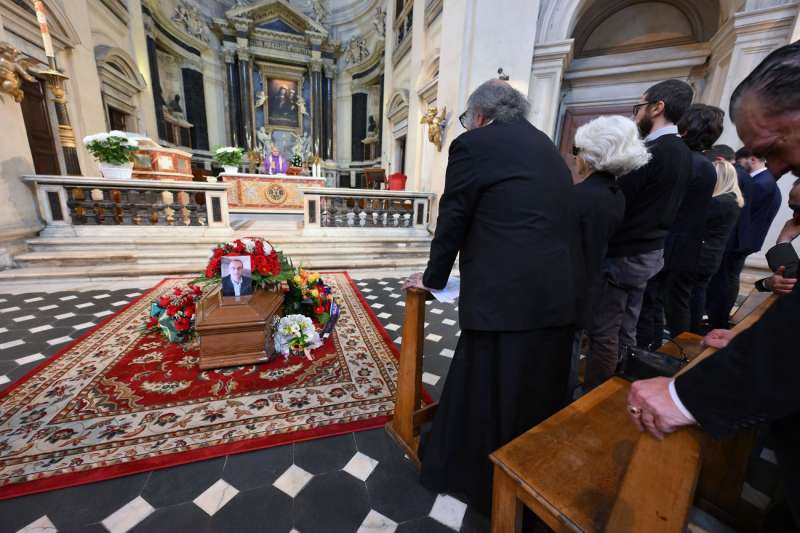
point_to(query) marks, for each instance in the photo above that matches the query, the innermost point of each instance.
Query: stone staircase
(123, 257)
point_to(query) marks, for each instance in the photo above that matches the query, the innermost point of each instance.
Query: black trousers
(668, 297)
(723, 290)
(697, 306)
(500, 384)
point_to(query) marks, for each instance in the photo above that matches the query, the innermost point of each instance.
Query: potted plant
(230, 157)
(114, 151)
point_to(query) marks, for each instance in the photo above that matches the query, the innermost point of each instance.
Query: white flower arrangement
(229, 155)
(114, 147)
(296, 332)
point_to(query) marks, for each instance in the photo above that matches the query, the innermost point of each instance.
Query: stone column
(245, 110)
(327, 113)
(232, 85)
(550, 60)
(315, 75)
(756, 34)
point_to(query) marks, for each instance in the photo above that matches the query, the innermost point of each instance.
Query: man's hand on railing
(651, 407)
(718, 338)
(414, 281)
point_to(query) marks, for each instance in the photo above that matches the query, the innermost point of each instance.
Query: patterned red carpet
(118, 401)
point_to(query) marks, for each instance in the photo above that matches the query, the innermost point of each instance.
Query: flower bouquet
(308, 295)
(296, 335)
(230, 157)
(269, 265)
(173, 314)
(114, 150)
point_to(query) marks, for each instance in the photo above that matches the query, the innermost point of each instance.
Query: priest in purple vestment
(275, 163)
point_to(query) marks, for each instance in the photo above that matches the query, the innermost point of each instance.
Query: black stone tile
(15, 352)
(262, 510)
(331, 503)
(324, 455)
(255, 469)
(395, 491)
(182, 483)
(17, 513)
(86, 504)
(7, 366)
(423, 525)
(91, 528)
(183, 518)
(377, 444)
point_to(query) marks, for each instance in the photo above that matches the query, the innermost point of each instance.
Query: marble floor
(359, 482)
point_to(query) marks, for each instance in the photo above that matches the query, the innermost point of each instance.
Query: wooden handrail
(673, 463)
(409, 414)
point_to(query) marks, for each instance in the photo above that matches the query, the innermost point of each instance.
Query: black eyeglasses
(575, 150)
(461, 119)
(636, 107)
(795, 208)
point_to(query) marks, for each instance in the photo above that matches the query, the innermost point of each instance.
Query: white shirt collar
(237, 282)
(672, 129)
(755, 173)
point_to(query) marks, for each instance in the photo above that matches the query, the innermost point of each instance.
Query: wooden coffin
(154, 162)
(236, 330)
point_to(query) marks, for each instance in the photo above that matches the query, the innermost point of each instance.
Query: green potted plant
(230, 157)
(114, 150)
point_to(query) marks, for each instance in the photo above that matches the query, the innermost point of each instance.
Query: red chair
(397, 181)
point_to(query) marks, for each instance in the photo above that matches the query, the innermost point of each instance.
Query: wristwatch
(761, 285)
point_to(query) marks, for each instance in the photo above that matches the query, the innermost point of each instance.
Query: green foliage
(229, 155)
(113, 150)
(296, 160)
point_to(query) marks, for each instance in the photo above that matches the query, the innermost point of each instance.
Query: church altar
(264, 193)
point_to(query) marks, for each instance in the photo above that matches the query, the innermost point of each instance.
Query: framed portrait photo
(283, 105)
(236, 275)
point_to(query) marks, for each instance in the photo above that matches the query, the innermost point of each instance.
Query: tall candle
(38, 5)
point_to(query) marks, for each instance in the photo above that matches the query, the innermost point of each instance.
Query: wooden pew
(409, 412)
(586, 468)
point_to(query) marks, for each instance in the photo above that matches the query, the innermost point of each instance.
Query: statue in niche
(379, 22)
(372, 127)
(318, 11)
(263, 138)
(356, 51)
(188, 16)
(261, 97)
(174, 107)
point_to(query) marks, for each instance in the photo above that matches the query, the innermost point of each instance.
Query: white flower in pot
(230, 157)
(114, 150)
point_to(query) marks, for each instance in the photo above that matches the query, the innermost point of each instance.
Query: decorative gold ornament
(13, 66)
(254, 160)
(276, 193)
(436, 124)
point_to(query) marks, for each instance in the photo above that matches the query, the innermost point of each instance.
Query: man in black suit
(670, 291)
(653, 194)
(235, 283)
(756, 377)
(506, 213)
(782, 258)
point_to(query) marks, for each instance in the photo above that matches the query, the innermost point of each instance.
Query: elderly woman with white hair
(605, 148)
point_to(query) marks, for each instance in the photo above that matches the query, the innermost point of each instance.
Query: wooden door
(37, 126)
(574, 119)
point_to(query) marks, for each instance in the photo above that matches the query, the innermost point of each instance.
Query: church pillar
(232, 84)
(315, 74)
(327, 113)
(757, 33)
(550, 60)
(246, 132)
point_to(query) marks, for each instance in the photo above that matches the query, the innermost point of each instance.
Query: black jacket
(228, 290)
(653, 194)
(739, 236)
(723, 212)
(506, 211)
(685, 237)
(599, 208)
(756, 378)
(765, 202)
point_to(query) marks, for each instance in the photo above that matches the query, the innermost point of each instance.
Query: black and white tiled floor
(358, 482)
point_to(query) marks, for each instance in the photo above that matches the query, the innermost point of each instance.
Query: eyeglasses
(795, 208)
(636, 107)
(575, 150)
(461, 118)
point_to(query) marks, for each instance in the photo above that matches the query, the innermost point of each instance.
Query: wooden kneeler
(409, 412)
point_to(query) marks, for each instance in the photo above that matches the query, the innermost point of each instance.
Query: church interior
(149, 140)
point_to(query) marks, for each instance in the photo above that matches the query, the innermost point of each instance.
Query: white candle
(42, 19)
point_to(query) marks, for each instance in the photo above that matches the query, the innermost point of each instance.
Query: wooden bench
(587, 468)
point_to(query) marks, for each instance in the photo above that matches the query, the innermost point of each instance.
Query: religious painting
(283, 103)
(236, 275)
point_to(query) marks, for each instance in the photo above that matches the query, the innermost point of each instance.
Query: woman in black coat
(723, 212)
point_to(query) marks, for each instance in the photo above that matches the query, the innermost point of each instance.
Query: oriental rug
(120, 401)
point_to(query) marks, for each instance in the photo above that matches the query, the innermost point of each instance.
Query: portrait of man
(236, 280)
(282, 96)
